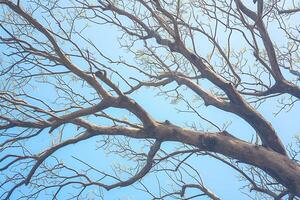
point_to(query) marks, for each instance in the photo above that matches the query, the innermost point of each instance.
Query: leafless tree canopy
(63, 94)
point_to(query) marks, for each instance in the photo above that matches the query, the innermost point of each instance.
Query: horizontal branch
(280, 167)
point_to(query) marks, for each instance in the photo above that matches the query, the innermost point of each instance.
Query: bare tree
(59, 89)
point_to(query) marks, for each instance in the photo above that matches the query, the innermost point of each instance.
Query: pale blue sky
(217, 177)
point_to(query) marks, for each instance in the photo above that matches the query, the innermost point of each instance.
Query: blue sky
(217, 177)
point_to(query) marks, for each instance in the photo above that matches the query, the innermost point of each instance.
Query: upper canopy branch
(63, 59)
(285, 86)
(240, 106)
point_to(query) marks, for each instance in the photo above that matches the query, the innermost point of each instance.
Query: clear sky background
(216, 176)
